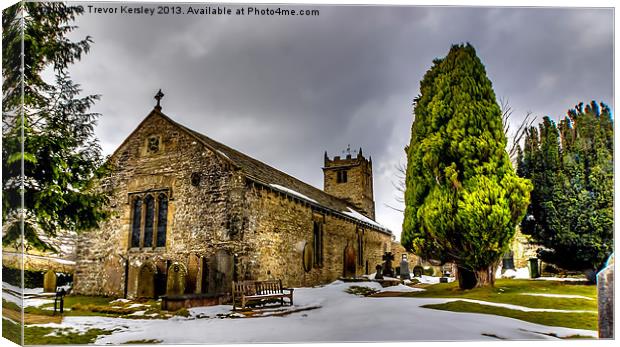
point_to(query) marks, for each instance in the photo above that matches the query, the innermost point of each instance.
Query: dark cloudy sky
(286, 89)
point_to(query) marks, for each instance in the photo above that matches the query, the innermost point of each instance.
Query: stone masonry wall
(220, 227)
(358, 189)
(280, 227)
(199, 217)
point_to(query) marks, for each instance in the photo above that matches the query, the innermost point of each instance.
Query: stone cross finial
(158, 97)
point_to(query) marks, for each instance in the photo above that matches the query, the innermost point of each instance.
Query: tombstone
(605, 290)
(349, 262)
(378, 274)
(193, 265)
(177, 277)
(508, 262)
(221, 267)
(388, 271)
(146, 281)
(49, 282)
(404, 269)
(307, 257)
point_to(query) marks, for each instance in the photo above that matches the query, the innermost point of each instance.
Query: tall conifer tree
(51, 121)
(462, 199)
(571, 167)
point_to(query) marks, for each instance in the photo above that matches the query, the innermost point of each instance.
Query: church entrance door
(349, 261)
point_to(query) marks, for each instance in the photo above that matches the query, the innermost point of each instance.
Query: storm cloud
(285, 89)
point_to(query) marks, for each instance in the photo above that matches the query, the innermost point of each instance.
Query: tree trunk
(468, 279)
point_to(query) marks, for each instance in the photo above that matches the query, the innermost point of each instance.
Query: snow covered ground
(337, 317)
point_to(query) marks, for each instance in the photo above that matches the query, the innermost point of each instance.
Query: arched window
(162, 220)
(149, 221)
(317, 243)
(360, 248)
(136, 222)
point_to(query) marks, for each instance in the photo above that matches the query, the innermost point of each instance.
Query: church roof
(277, 180)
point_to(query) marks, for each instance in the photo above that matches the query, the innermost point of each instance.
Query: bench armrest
(289, 289)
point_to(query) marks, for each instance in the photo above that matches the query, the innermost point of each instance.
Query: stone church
(191, 215)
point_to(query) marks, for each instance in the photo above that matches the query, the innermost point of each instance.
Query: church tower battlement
(350, 178)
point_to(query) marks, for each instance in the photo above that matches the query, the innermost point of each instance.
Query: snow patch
(401, 288)
(342, 317)
(357, 215)
(290, 191)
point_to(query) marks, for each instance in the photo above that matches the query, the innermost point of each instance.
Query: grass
(98, 306)
(569, 320)
(511, 291)
(11, 331)
(66, 336)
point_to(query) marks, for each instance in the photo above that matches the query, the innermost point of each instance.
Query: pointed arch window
(136, 222)
(149, 219)
(317, 243)
(162, 219)
(360, 247)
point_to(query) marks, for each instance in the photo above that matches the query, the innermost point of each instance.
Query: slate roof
(268, 176)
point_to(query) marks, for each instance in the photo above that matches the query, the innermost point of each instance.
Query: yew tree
(571, 166)
(463, 199)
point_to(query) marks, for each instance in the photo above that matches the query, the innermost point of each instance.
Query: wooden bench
(244, 292)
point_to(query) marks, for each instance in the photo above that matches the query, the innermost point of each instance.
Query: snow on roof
(290, 191)
(357, 215)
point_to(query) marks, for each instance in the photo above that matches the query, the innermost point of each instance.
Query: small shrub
(361, 291)
(182, 312)
(429, 271)
(414, 281)
(418, 271)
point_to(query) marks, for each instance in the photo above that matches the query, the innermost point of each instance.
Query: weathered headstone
(388, 271)
(404, 268)
(177, 275)
(146, 281)
(49, 282)
(378, 274)
(605, 289)
(193, 265)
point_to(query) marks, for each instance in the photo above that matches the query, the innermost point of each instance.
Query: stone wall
(199, 216)
(280, 227)
(220, 226)
(605, 294)
(358, 189)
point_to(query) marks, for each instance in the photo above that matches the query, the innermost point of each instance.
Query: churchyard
(547, 308)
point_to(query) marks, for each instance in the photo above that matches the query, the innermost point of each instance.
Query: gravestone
(146, 281)
(378, 274)
(49, 282)
(221, 267)
(193, 265)
(605, 290)
(404, 269)
(177, 276)
(388, 271)
(307, 257)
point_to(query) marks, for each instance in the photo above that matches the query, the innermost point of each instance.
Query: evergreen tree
(462, 199)
(571, 167)
(50, 130)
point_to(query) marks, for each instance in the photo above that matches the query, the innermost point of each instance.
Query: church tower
(350, 179)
